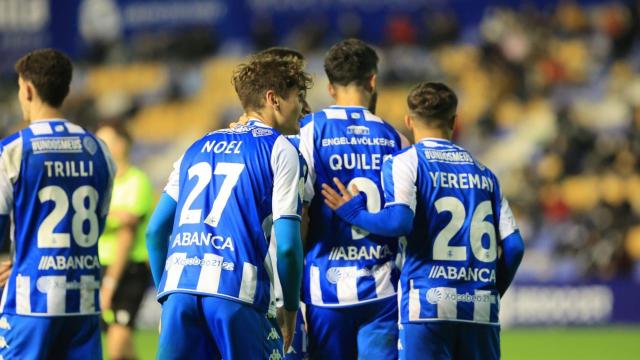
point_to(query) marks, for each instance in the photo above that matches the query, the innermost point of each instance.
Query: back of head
(50, 73)
(350, 61)
(282, 53)
(434, 104)
(263, 73)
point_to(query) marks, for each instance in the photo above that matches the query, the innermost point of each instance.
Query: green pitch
(618, 343)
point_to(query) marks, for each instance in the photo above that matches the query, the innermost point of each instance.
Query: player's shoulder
(11, 140)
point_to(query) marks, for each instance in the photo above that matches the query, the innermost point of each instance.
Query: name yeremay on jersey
(450, 256)
(55, 183)
(345, 265)
(229, 187)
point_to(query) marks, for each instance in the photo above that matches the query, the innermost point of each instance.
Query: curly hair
(350, 61)
(434, 103)
(281, 52)
(50, 72)
(263, 73)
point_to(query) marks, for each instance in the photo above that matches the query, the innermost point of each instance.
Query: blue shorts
(366, 331)
(59, 337)
(449, 340)
(210, 327)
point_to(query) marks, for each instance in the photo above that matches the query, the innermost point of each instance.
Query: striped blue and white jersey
(229, 187)
(55, 182)
(345, 265)
(450, 256)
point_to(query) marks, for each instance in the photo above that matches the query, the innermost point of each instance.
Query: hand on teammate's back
(334, 199)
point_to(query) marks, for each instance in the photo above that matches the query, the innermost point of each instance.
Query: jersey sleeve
(173, 184)
(399, 175)
(10, 160)
(288, 180)
(111, 167)
(506, 221)
(306, 149)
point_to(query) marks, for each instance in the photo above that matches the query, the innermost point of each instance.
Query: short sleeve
(507, 224)
(306, 149)
(10, 160)
(288, 180)
(173, 184)
(111, 167)
(399, 174)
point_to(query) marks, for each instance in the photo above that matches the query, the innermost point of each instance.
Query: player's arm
(396, 218)
(512, 247)
(161, 224)
(10, 160)
(158, 233)
(306, 149)
(287, 206)
(125, 236)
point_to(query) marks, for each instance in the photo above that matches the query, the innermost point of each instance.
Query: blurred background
(549, 99)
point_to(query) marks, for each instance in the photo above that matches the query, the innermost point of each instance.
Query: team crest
(90, 145)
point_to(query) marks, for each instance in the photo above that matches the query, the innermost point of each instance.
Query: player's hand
(288, 327)
(242, 120)
(5, 271)
(334, 199)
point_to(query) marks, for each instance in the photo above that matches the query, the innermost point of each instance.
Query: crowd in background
(549, 99)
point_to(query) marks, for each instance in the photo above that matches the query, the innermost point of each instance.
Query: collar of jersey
(438, 140)
(47, 120)
(257, 122)
(348, 107)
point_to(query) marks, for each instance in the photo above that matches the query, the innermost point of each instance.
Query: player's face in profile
(24, 99)
(290, 112)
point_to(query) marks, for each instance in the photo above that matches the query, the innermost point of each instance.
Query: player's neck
(44, 112)
(420, 133)
(352, 96)
(263, 118)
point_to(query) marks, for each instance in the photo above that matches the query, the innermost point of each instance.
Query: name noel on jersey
(69, 168)
(203, 239)
(222, 147)
(61, 262)
(350, 161)
(360, 253)
(461, 180)
(462, 273)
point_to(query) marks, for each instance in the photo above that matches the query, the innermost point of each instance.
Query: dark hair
(349, 61)
(261, 74)
(434, 103)
(282, 53)
(119, 128)
(50, 72)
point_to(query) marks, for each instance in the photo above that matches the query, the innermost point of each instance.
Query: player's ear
(332, 90)
(271, 99)
(373, 81)
(30, 90)
(408, 122)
